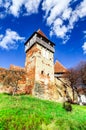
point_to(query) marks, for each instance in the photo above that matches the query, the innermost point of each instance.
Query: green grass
(28, 113)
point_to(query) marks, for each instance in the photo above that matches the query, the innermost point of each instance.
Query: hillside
(28, 113)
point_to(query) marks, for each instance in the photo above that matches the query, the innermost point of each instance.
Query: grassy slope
(27, 113)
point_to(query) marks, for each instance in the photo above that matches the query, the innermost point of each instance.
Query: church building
(42, 77)
(40, 68)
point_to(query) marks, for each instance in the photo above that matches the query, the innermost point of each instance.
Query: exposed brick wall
(42, 85)
(30, 66)
(28, 85)
(6, 72)
(17, 68)
(34, 65)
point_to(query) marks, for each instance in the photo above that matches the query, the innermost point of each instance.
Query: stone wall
(60, 91)
(57, 91)
(4, 73)
(63, 89)
(45, 64)
(40, 70)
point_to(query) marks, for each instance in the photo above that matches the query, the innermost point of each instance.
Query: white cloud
(77, 14)
(84, 47)
(66, 14)
(2, 16)
(84, 32)
(0, 2)
(10, 39)
(48, 5)
(58, 29)
(7, 4)
(82, 9)
(14, 7)
(32, 6)
(58, 12)
(1, 36)
(4, 5)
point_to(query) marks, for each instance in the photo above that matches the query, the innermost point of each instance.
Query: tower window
(42, 72)
(48, 74)
(45, 53)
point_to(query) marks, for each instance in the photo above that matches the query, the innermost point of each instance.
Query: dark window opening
(48, 74)
(42, 72)
(65, 91)
(33, 56)
(52, 45)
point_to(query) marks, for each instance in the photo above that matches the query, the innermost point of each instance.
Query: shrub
(67, 106)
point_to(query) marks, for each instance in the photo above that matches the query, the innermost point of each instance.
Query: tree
(81, 68)
(12, 78)
(77, 78)
(72, 76)
(3, 73)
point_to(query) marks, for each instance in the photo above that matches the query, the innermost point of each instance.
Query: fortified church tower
(39, 63)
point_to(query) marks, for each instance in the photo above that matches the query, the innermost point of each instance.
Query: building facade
(39, 63)
(42, 78)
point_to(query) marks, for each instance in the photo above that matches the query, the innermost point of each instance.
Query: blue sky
(63, 22)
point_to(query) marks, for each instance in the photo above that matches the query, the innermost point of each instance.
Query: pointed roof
(59, 68)
(41, 33)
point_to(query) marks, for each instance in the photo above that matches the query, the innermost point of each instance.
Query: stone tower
(39, 63)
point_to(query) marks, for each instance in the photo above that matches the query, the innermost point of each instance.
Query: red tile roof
(41, 33)
(59, 68)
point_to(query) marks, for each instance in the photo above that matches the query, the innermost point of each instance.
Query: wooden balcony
(40, 41)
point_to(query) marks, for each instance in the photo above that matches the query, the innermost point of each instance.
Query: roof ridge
(58, 67)
(60, 63)
(39, 31)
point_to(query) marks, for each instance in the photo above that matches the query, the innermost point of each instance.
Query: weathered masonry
(42, 78)
(39, 62)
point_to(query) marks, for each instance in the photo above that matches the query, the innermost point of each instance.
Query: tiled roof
(59, 68)
(41, 33)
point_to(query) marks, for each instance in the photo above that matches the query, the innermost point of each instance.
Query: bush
(67, 106)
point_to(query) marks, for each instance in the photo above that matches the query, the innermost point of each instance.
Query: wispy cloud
(32, 6)
(84, 32)
(57, 13)
(10, 40)
(15, 7)
(60, 15)
(4, 7)
(84, 47)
